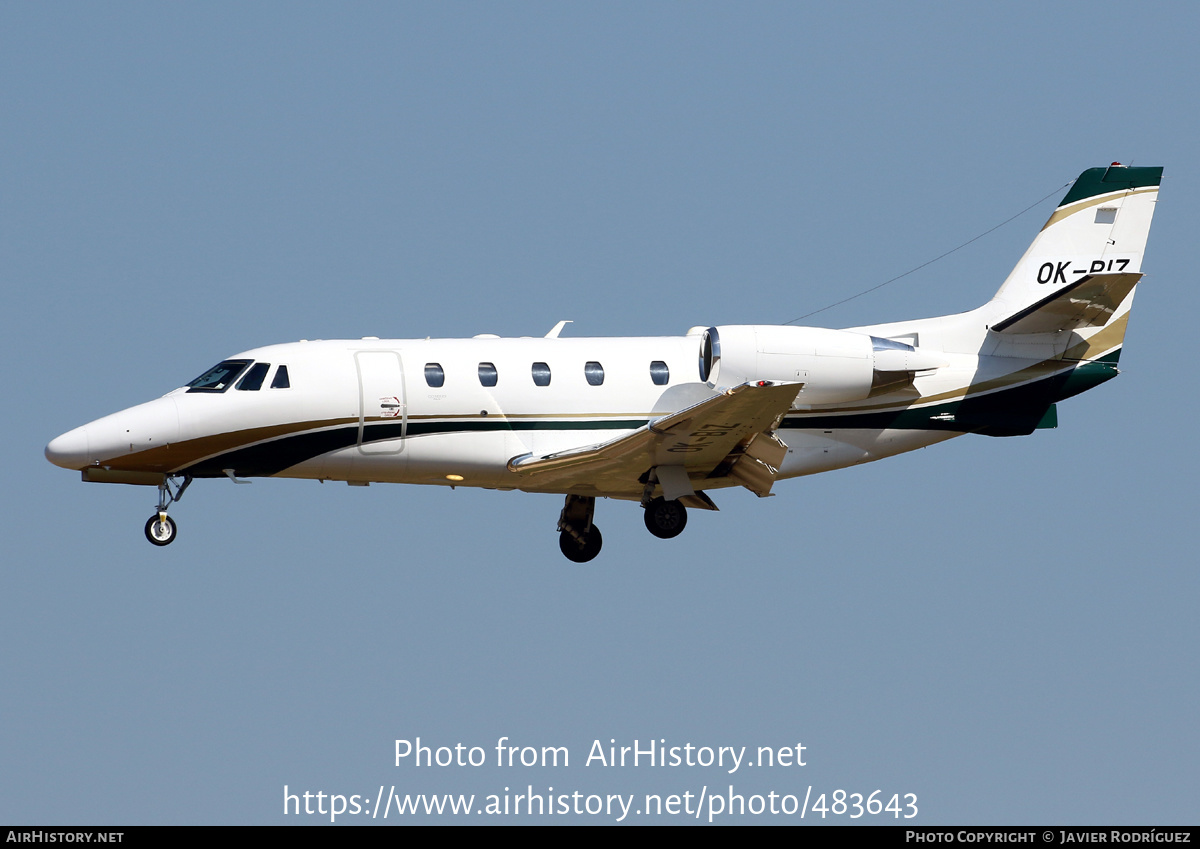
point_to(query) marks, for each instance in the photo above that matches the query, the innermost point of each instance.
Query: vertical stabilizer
(1073, 288)
(1100, 227)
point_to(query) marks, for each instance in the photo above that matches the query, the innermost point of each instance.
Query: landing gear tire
(160, 531)
(665, 519)
(581, 552)
(160, 528)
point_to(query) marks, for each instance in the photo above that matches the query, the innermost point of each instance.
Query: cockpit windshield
(220, 377)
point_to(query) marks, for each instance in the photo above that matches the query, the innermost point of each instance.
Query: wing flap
(697, 438)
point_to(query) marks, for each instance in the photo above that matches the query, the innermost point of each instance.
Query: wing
(727, 435)
(1089, 302)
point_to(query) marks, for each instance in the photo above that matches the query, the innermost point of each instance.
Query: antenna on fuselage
(557, 329)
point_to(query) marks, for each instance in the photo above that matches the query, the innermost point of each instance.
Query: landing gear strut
(160, 528)
(578, 539)
(665, 519)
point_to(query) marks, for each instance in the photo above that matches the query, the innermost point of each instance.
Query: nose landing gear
(161, 528)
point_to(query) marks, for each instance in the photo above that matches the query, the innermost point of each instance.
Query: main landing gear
(578, 539)
(665, 519)
(161, 528)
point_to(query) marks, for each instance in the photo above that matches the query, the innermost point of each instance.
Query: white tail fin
(1069, 297)
(1100, 227)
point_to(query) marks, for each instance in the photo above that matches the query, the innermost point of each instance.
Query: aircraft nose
(70, 451)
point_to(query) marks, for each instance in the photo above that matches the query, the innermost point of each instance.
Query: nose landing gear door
(382, 411)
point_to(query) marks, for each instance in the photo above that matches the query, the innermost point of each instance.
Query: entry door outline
(381, 398)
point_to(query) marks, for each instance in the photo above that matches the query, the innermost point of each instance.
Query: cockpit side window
(254, 378)
(280, 380)
(219, 377)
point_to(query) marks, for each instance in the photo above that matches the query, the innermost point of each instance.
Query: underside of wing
(727, 435)
(1089, 302)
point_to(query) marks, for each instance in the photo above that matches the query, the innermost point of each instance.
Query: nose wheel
(161, 528)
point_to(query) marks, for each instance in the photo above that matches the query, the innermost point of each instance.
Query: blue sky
(1004, 627)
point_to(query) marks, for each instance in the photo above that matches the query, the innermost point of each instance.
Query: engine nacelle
(834, 365)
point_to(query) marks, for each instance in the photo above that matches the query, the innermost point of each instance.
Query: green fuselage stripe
(1008, 412)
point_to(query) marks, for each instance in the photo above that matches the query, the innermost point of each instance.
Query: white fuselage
(460, 432)
(655, 419)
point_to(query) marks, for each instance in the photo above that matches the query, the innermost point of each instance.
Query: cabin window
(541, 374)
(710, 353)
(280, 380)
(488, 374)
(219, 377)
(254, 378)
(594, 372)
(659, 373)
(434, 375)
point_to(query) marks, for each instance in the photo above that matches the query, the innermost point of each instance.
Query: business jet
(660, 421)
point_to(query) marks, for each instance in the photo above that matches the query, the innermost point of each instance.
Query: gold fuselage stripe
(180, 455)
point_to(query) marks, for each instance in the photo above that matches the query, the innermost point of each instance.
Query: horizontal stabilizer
(1089, 302)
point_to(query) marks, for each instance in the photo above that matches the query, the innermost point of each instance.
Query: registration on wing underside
(700, 439)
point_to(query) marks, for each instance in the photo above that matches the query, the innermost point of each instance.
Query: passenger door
(382, 411)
